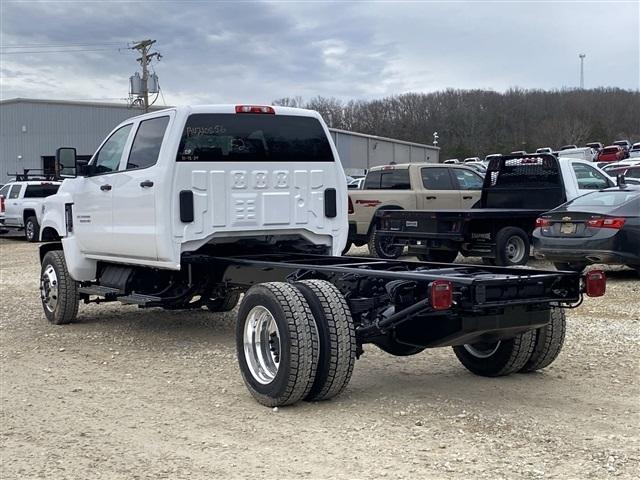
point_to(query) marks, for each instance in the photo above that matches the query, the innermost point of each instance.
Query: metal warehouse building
(31, 131)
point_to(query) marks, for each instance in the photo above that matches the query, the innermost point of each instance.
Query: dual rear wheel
(295, 342)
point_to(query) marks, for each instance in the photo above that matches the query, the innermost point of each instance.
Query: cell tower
(581, 55)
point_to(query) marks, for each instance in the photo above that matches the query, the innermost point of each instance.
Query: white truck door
(439, 191)
(13, 211)
(92, 201)
(134, 193)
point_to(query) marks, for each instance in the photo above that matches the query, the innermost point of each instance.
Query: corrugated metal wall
(31, 129)
(359, 152)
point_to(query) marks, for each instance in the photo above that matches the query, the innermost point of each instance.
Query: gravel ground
(128, 393)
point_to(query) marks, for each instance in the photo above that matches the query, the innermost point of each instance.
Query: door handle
(467, 198)
(146, 183)
(105, 188)
(431, 198)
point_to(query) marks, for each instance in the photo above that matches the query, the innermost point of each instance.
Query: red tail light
(441, 295)
(613, 222)
(595, 283)
(350, 206)
(543, 223)
(254, 109)
(1, 204)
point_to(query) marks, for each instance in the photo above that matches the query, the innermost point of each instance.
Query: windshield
(253, 138)
(611, 198)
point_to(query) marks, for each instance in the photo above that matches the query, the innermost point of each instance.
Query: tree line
(479, 122)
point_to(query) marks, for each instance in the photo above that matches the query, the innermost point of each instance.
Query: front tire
(496, 359)
(58, 291)
(548, 343)
(223, 304)
(380, 247)
(337, 337)
(32, 229)
(277, 344)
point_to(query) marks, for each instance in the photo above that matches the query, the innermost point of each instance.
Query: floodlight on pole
(581, 55)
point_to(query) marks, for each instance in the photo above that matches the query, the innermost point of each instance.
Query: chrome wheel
(30, 230)
(482, 349)
(262, 344)
(49, 288)
(515, 249)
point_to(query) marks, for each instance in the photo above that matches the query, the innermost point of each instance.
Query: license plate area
(568, 228)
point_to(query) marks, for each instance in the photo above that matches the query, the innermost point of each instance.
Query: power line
(61, 51)
(58, 45)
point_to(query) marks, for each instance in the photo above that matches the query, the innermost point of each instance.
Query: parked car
(635, 151)
(488, 158)
(471, 159)
(408, 186)
(600, 227)
(586, 153)
(23, 205)
(544, 150)
(452, 160)
(518, 152)
(612, 153)
(595, 145)
(568, 147)
(629, 171)
(608, 166)
(626, 146)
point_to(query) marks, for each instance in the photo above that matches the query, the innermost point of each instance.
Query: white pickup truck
(21, 205)
(189, 207)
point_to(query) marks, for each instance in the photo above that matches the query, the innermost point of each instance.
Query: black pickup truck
(516, 191)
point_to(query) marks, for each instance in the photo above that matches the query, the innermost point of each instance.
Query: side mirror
(66, 164)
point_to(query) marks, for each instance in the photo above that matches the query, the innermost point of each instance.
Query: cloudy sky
(259, 51)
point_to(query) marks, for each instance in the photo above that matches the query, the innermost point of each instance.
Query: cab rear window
(41, 191)
(250, 137)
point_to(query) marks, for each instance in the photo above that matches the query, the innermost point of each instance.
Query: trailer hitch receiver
(441, 294)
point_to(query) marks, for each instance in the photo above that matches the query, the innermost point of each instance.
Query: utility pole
(581, 55)
(145, 58)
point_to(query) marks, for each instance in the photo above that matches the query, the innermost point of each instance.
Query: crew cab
(408, 186)
(21, 204)
(517, 190)
(190, 207)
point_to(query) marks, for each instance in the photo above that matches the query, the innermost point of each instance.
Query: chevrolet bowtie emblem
(564, 219)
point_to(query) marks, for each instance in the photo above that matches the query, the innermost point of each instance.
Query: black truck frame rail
(392, 302)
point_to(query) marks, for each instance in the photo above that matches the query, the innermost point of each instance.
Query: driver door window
(467, 180)
(108, 157)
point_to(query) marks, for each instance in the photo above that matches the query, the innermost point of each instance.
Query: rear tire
(378, 246)
(439, 256)
(32, 229)
(496, 359)
(549, 342)
(277, 344)
(512, 247)
(337, 337)
(58, 291)
(572, 267)
(223, 304)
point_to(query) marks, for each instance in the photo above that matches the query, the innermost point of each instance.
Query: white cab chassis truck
(190, 207)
